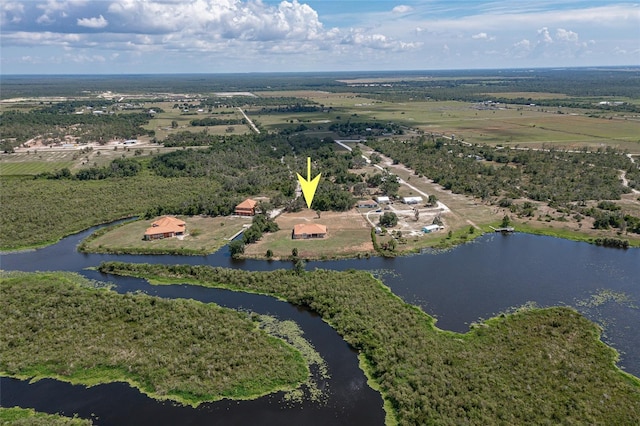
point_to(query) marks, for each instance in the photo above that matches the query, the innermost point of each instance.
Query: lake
(477, 280)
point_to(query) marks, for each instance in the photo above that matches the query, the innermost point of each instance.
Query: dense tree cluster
(271, 102)
(185, 138)
(18, 127)
(550, 175)
(210, 121)
(118, 168)
(351, 128)
(289, 108)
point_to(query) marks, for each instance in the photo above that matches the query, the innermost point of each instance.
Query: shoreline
(480, 337)
(454, 241)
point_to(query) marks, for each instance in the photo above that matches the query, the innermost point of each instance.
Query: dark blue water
(471, 282)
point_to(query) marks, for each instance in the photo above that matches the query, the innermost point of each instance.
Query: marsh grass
(17, 416)
(532, 366)
(58, 325)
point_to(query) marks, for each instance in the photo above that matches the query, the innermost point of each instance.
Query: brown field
(348, 235)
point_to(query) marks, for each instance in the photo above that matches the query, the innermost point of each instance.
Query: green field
(161, 123)
(509, 125)
(18, 168)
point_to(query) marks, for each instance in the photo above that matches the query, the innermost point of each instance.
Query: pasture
(526, 126)
(161, 123)
(30, 163)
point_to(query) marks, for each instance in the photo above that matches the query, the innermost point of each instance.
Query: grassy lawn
(205, 235)
(19, 166)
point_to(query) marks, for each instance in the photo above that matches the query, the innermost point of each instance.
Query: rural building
(308, 230)
(165, 227)
(367, 204)
(412, 200)
(431, 228)
(246, 208)
(382, 199)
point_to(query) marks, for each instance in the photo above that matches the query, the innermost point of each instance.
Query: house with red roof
(246, 208)
(305, 231)
(166, 227)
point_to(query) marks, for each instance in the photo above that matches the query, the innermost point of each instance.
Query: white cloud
(289, 34)
(358, 37)
(483, 36)
(403, 8)
(222, 19)
(45, 19)
(11, 12)
(98, 22)
(544, 36)
(82, 58)
(565, 35)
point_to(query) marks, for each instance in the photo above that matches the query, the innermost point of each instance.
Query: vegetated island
(58, 325)
(17, 416)
(533, 366)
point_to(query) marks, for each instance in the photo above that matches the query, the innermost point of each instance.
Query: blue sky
(213, 36)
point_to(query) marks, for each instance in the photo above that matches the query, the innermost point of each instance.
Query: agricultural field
(33, 164)
(161, 123)
(512, 125)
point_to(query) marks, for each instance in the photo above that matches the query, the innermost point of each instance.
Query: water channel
(471, 282)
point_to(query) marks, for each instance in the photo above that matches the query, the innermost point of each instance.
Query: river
(473, 281)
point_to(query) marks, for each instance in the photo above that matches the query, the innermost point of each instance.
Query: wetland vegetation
(17, 416)
(531, 366)
(59, 325)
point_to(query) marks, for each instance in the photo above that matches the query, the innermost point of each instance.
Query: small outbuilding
(246, 208)
(412, 200)
(383, 199)
(305, 231)
(367, 204)
(431, 228)
(165, 227)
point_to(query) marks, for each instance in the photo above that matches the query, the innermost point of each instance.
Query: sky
(241, 36)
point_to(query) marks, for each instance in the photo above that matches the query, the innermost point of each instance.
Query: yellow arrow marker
(308, 185)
